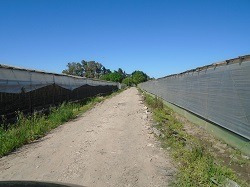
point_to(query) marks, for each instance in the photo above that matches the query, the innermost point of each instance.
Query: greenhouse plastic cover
(17, 80)
(219, 93)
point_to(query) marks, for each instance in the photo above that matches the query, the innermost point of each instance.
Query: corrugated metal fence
(219, 93)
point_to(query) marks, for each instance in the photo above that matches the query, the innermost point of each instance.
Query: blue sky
(158, 37)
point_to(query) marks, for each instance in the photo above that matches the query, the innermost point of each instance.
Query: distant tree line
(92, 69)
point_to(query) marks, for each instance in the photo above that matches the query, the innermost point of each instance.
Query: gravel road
(109, 145)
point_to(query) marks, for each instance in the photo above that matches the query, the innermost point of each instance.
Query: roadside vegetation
(92, 69)
(196, 165)
(35, 126)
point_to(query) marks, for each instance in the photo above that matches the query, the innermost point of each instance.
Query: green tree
(98, 71)
(103, 71)
(108, 71)
(92, 69)
(74, 68)
(105, 77)
(139, 76)
(89, 69)
(115, 77)
(122, 73)
(128, 81)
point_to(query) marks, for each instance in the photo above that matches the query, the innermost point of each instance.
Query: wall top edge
(239, 59)
(4, 66)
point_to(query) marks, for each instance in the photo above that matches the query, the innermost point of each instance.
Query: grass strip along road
(197, 166)
(35, 126)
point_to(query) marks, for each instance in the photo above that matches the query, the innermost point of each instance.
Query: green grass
(30, 128)
(196, 166)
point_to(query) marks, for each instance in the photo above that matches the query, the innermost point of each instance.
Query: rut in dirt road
(110, 145)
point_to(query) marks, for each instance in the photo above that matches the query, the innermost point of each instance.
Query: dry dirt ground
(110, 145)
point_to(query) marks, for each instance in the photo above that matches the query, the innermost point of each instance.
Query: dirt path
(110, 145)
